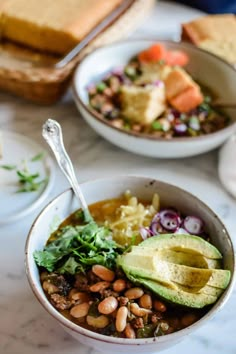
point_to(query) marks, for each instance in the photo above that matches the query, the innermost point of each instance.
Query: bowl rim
(217, 306)
(137, 135)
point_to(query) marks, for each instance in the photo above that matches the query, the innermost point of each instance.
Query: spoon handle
(52, 133)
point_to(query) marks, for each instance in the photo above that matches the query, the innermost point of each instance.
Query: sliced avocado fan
(182, 269)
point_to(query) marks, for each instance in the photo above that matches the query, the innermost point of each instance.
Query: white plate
(16, 149)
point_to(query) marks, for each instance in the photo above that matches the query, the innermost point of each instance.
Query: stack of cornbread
(53, 26)
(215, 33)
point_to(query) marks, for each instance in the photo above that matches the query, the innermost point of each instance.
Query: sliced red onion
(156, 218)
(155, 225)
(169, 210)
(145, 232)
(193, 225)
(169, 220)
(181, 231)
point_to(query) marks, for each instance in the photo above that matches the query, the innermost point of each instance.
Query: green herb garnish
(8, 167)
(29, 181)
(78, 248)
(146, 331)
(38, 157)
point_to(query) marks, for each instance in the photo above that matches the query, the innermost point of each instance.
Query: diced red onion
(175, 113)
(180, 128)
(91, 86)
(158, 83)
(119, 70)
(193, 225)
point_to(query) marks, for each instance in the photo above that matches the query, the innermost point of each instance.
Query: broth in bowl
(137, 270)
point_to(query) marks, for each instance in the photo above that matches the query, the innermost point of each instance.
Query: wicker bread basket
(47, 85)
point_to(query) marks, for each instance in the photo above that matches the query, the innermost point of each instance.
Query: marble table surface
(25, 327)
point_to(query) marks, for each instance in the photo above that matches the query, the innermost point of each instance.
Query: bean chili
(116, 307)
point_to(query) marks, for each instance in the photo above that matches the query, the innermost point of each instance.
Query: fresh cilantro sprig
(77, 248)
(8, 167)
(37, 157)
(29, 182)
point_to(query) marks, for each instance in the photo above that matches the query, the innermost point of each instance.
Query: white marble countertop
(25, 327)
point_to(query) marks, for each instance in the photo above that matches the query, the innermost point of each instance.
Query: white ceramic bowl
(203, 66)
(144, 188)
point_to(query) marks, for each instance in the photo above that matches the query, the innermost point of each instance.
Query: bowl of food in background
(150, 266)
(156, 98)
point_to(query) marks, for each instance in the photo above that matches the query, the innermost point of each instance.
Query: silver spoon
(52, 133)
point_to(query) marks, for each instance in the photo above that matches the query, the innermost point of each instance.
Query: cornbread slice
(215, 33)
(51, 25)
(143, 104)
(224, 49)
(152, 72)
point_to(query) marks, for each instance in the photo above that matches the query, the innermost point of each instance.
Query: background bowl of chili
(207, 69)
(114, 187)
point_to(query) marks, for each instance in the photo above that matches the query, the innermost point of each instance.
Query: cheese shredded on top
(131, 216)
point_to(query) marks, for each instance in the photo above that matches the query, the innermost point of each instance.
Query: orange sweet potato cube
(188, 99)
(176, 82)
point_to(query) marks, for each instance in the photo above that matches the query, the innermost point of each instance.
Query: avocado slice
(179, 257)
(179, 268)
(207, 289)
(184, 243)
(167, 273)
(176, 296)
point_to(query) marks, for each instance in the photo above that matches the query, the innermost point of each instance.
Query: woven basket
(47, 85)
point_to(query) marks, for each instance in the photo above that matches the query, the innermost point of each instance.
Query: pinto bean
(43, 276)
(103, 272)
(108, 305)
(145, 301)
(121, 318)
(119, 285)
(101, 285)
(129, 331)
(97, 322)
(72, 292)
(139, 311)
(134, 293)
(80, 297)
(80, 310)
(49, 287)
(188, 319)
(159, 306)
